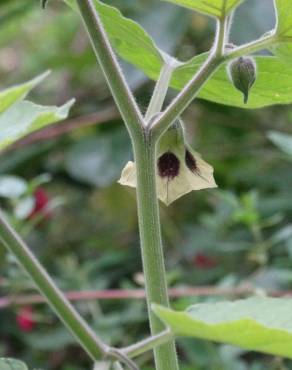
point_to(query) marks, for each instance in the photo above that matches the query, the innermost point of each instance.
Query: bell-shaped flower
(179, 168)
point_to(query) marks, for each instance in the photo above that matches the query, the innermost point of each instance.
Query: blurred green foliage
(238, 235)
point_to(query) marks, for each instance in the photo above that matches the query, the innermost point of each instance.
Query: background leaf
(258, 324)
(11, 364)
(12, 186)
(282, 141)
(25, 117)
(12, 95)
(249, 25)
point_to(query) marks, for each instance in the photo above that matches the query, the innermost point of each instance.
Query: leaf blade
(256, 324)
(25, 117)
(130, 40)
(273, 84)
(16, 93)
(12, 364)
(213, 8)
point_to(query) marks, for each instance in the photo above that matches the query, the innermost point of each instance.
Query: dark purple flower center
(168, 165)
(191, 162)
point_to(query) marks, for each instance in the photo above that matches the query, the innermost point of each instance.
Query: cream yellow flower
(179, 168)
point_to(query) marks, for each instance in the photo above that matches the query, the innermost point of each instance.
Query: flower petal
(128, 176)
(171, 188)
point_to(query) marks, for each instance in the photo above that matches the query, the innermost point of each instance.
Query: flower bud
(242, 72)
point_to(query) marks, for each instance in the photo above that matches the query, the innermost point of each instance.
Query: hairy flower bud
(242, 72)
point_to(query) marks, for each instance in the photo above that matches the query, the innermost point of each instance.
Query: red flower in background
(41, 204)
(204, 262)
(25, 320)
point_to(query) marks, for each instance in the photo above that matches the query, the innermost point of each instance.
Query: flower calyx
(242, 72)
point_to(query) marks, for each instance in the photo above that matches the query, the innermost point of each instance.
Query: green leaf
(129, 39)
(16, 93)
(284, 29)
(25, 117)
(256, 324)
(284, 18)
(11, 364)
(214, 8)
(273, 84)
(282, 141)
(12, 187)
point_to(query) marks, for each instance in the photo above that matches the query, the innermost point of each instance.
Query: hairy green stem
(148, 344)
(185, 97)
(192, 88)
(117, 354)
(144, 150)
(222, 35)
(93, 345)
(263, 43)
(151, 245)
(111, 69)
(160, 91)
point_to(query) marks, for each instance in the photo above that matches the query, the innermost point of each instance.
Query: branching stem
(192, 89)
(151, 245)
(144, 151)
(251, 47)
(221, 36)
(144, 139)
(185, 97)
(92, 344)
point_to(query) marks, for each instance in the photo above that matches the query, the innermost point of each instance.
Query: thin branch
(86, 337)
(89, 341)
(111, 69)
(160, 91)
(122, 357)
(148, 344)
(191, 90)
(203, 291)
(261, 44)
(186, 96)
